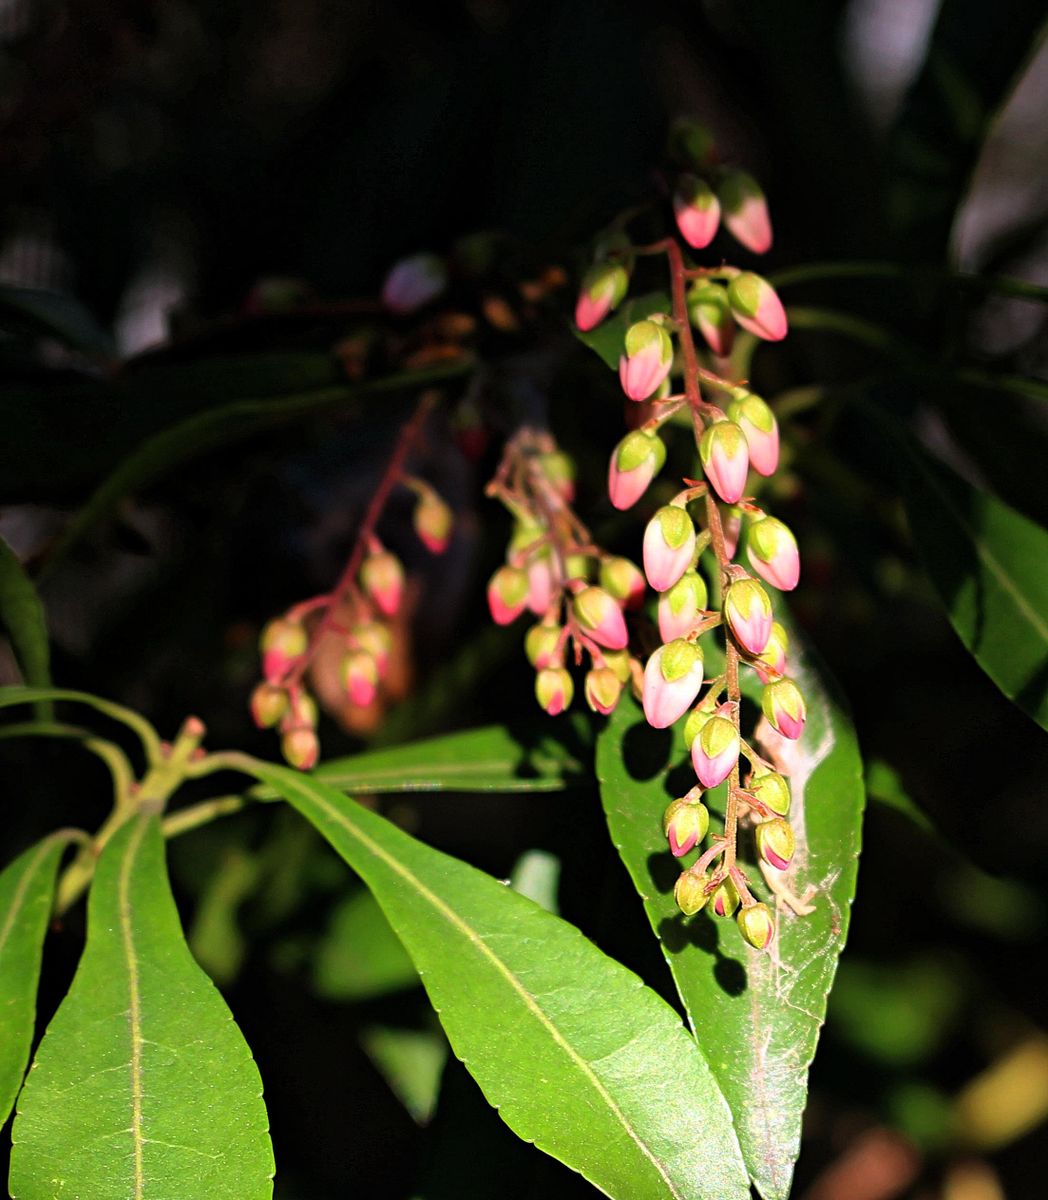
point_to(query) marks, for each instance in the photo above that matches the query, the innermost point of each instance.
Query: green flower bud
(756, 925)
(725, 900)
(690, 892)
(771, 789)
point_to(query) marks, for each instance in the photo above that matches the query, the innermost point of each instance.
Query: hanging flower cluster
(579, 592)
(736, 437)
(357, 611)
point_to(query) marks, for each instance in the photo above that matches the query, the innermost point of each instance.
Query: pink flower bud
(689, 892)
(672, 680)
(541, 643)
(635, 462)
(554, 689)
(433, 522)
(507, 594)
(359, 677)
(603, 288)
(560, 471)
(376, 639)
(731, 527)
(669, 546)
(697, 210)
(725, 459)
(623, 581)
(745, 210)
(757, 422)
(282, 643)
(710, 313)
(756, 307)
(540, 583)
(300, 747)
(414, 282)
(748, 612)
(756, 926)
(382, 578)
(783, 705)
(603, 690)
(268, 705)
(647, 361)
(775, 843)
(601, 618)
(685, 823)
(772, 551)
(771, 662)
(716, 750)
(725, 900)
(681, 607)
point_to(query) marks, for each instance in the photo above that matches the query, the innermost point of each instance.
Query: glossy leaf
(26, 894)
(12, 696)
(22, 615)
(411, 1062)
(756, 1016)
(142, 1087)
(609, 336)
(989, 565)
(579, 1056)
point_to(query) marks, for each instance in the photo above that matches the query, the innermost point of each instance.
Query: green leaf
(411, 1062)
(10, 696)
(142, 1086)
(609, 336)
(989, 565)
(884, 787)
(756, 1016)
(22, 615)
(579, 1056)
(360, 957)
(26, 893)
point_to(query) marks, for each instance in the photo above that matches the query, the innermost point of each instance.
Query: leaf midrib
(474, 938)
(134, 1013)
(19, 894)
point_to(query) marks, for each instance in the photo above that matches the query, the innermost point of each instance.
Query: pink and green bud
(359, 673)
(669, 546)
(540, 583)
(672, 680)
(745, 210)
(772, 790)
(771, 662)
(413, 283)
(756, 307)
(382, 578)
(772, 551)
(715, 751)
(748, 612)
(624, 581)
(756, 925)
(541, 643)
(601, 618)
(554, 689)
(710, 313)
(268, 705)
(647, 361)
(731, 527)
(302, 710)
(560, 471)
(635, 462)
(783, 705)
(300, 747)
(725, 459)
(433, 522)
(507, 594)
(282, 643)
(689, 892)
(725, 900)
(776, 843)
(681, 607)
(603, 690)
(697, 210)
(757, 422)
(620, 663)
(603, 288)
(376, 639)
(577, 566)
(685, 823)
(697, 718)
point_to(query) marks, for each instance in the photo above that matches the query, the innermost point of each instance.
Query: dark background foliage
(171, 167)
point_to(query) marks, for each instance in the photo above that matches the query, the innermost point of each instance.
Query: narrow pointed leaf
(12, 696)
(22, 615)
(26, 892)
(756, 1016)
(579, 1056)
(143, 1087)
(989, 565)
